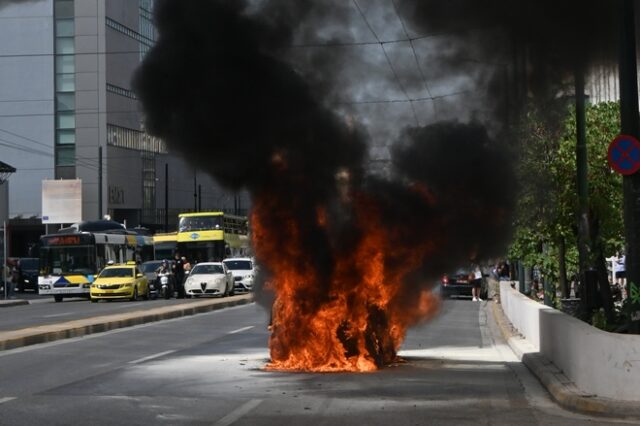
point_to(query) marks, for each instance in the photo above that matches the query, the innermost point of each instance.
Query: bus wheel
(57, 298)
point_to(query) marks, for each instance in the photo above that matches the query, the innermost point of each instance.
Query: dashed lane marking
(236, 414)
(7, 399)
(240, 330)
(147, 358)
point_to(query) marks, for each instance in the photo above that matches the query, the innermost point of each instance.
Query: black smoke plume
(222, 87)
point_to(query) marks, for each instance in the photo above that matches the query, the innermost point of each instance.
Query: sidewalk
(77, 328)
(559, 386)
(12, 302)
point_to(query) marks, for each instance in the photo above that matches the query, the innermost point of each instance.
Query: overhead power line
(384, 51)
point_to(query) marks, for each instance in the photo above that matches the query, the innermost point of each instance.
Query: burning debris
(349, 258)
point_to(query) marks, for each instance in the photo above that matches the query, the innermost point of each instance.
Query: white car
(209, 279)
(243, 270)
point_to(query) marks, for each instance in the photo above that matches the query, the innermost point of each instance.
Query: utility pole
(631, 183)
(199, 197)
(99, 183)
(581, 171)
(195, 193)
(166, 197)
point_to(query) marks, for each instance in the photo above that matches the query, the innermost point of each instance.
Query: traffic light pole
(629, 117)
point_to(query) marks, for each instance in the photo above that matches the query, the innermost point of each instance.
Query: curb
(563, 391)
(78, 328)
(16, 302)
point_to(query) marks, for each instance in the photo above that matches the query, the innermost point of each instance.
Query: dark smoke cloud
(227, 87)
(471, 180)
(556, 37)
(213, 88)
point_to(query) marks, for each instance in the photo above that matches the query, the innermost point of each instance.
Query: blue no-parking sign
(624, 154)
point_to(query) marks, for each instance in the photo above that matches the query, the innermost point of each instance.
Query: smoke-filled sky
(257, 89)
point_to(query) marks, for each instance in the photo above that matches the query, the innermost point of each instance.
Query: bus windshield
(68, 259)
(200, 223)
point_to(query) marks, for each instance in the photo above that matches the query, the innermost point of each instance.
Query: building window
(65, 155)
(66, 101)
(65, 137)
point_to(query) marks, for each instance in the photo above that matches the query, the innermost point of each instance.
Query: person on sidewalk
(477, 283)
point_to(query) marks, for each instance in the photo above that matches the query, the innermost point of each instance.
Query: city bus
(212, 236)
(70, 259)
(165, 245)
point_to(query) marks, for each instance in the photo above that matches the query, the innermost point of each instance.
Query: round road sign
(624, 154)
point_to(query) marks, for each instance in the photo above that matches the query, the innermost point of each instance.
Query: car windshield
(235, 265)
(207, 269)
(150, 266)
(117, 273)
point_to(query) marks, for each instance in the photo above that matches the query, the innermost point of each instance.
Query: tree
(546, 213)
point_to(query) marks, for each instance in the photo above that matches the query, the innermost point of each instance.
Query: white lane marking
(236, 414)
(240, 330)
(7, 399)
(57, 315)
(147, 358)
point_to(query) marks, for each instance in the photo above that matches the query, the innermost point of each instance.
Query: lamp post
(5, 171)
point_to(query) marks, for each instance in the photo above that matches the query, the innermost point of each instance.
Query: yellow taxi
(120, 282)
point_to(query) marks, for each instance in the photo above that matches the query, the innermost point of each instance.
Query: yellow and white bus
(70, 260)
(212, 236)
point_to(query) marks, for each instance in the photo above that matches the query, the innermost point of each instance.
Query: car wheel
(134, 297)
(57, 298)
(147, 294)
(94, 300)
(233, 291)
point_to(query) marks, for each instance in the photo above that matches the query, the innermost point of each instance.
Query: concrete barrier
(599, 363)
(77, 328)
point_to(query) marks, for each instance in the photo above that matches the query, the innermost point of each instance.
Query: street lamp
(5, 171)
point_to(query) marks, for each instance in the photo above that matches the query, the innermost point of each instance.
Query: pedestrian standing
(477, 283)
(178, 272)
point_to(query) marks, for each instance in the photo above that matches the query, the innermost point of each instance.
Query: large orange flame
(352, 317)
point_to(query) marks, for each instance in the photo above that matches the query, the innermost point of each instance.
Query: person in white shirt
(477, 284)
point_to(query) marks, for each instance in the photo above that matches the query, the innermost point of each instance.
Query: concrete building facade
(67, 111)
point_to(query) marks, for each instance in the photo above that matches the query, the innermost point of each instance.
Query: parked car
(243, 271)
(209, 279)
(120, 282)
(27, 274)
(459, 283)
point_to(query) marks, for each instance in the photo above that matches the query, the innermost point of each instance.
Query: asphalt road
(208, 369)
(45, 311)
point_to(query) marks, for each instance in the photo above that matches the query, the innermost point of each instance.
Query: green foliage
(548, 204)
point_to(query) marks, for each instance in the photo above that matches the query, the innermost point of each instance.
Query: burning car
(209, 279)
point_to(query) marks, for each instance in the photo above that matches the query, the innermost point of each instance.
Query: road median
(83, 327)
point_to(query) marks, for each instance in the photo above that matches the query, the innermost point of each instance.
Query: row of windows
(134, 139)
(121, 91)
(128, 32)
(65, 150)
